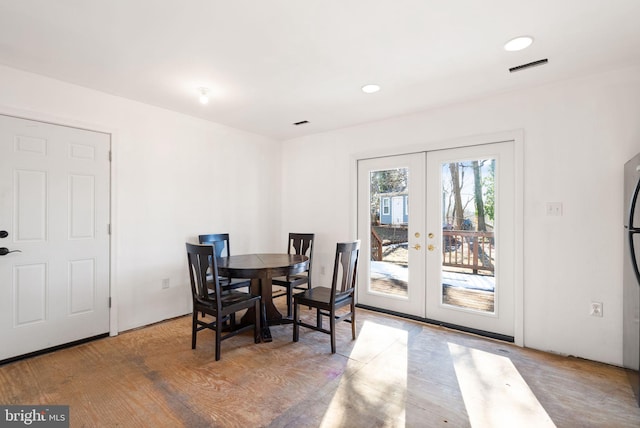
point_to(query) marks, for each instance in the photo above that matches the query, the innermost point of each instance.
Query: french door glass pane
(468, 226)
(389, 222)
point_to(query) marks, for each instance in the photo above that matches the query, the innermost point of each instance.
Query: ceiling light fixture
(519, 43)
(204, 95)
(370, 89)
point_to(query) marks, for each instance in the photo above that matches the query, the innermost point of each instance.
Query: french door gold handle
(417, 246)
(431, 247)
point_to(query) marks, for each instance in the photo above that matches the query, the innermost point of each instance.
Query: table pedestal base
(269, 313)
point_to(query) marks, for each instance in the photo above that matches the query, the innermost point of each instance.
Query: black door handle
(3, 233)
(4, 251)
(633, 231)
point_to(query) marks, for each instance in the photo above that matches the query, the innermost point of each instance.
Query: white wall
(577, 136)
(175, 177)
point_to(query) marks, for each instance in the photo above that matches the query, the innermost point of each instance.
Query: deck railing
(376, 246)
(468, 249)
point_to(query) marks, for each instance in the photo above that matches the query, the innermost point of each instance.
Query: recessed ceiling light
(370, 89)
(518, 43)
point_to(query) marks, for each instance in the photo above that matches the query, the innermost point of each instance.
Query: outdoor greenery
(468, 192)
(461, 190)
(386, 181)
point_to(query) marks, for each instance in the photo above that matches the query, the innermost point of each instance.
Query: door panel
(54, 203)
(470, 257)
(391, 273)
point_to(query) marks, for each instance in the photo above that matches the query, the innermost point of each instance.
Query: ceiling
(272, 63)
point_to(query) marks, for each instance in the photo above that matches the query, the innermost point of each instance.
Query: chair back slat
(302, 244)
(345, 269)
(220, 241)
(200, 260)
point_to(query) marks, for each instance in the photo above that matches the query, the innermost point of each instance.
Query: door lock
(417, 246)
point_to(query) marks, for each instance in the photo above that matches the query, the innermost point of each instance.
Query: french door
(390, 226)
(452, 257)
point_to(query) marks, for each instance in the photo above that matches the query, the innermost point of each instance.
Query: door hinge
(110, 158)
(109, 301)
(109, 228)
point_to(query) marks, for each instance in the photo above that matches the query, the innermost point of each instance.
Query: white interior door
(54, 205)
(471, 249)
(391, 264)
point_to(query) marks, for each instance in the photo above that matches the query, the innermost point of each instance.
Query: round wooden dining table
(261, 268)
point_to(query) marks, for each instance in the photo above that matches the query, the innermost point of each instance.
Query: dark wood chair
(222, 249)
(299, 243)
(215, 301)
(328, 300)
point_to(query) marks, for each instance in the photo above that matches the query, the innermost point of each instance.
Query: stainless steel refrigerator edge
(631, 277)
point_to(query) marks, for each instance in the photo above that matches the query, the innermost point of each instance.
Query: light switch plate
(554, 208)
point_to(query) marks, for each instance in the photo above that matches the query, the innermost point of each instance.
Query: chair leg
(353, 320)
(296, 320)
(194, 330)
(218, 336)
(332, 329)
(318, 318)
(256, 327)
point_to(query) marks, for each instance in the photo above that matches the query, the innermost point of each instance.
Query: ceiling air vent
(302, 122)
(529, 65)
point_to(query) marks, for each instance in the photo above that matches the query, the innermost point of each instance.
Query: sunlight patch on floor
(354, 399)
(494, 393)
(375, 338)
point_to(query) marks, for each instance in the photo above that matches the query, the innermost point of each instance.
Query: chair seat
(321, 295)
(229, 283)
(234, 282)
(232, 297)
(229, 298)
(291, 280)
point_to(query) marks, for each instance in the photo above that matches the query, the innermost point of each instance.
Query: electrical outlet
(596, 309)
(554, 208)
(165, 283)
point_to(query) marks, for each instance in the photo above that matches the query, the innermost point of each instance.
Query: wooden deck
(478, 300)
(456, 294)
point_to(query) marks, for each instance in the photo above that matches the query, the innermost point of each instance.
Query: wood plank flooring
(398, 373)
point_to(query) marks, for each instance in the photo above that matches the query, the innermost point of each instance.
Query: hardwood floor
(397, 373)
